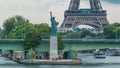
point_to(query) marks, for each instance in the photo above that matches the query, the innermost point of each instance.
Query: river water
(88, 62)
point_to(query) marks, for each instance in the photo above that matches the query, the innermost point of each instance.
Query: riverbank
(51, 62)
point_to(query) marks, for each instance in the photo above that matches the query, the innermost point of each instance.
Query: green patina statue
(53, 26)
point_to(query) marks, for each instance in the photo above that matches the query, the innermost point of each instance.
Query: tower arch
(94, 16)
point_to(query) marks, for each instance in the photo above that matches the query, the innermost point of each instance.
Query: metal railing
(88, 40)
(66, 40)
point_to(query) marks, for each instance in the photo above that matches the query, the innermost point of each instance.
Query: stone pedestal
(53, 47)
(18, 54)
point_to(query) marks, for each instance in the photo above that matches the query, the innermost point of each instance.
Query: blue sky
(37, 11)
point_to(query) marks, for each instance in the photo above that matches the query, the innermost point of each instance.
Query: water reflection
(89, 62)
(4, 60)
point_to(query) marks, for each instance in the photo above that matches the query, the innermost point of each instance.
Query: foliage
(81, 34)
(32, 38)
(61, 43)
(112, 31)
(11, 24)
(118, 32)
(85, 33)
(33, 35)
(88, 37)
(19, 27)
(19, 32)
(32, 53)
(74, 54)
(74, 35)
(43, 28)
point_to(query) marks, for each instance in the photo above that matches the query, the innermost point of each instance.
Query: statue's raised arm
(53, 25)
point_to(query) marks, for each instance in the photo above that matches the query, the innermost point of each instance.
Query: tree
(85, 33)
(74, 35)
(13, 23)
(43, 28)
(33, 35)
(112, 31)
(32, 38)
(32, 54)
(117, 30)
(61, 43)
(75, 54)
(2, 34)
(19, 32)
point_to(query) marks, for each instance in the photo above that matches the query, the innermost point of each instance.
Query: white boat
(108, 60)
(113, 53)
(99, 59)
(99, 55)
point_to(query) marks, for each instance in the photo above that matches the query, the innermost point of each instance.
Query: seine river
(89, 62)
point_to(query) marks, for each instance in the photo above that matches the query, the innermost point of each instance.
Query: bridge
(73, 44)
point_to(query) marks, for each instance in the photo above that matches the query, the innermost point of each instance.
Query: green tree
(74, 35)
(112, 31)
(13, 23)
(32, 54)
(117, 30)
(33, 35)
(85, 33)
(2, 34)
(32, 38)
(75, 54)
(61, 43)
(43, 28)
(88, 37)
(19, 32)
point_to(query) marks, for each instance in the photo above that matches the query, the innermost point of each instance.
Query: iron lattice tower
(95, 16)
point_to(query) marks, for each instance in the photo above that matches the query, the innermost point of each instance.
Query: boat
(113, 53)
(116, 54)
(99, 55)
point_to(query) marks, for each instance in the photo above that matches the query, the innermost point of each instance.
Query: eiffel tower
(95, 16)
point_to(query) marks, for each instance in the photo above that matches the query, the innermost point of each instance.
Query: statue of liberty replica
(53, 39)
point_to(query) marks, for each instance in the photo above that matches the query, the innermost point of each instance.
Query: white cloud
(112, 12)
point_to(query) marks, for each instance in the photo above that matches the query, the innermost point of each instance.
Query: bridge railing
(66, 40)
(11, 40)
(88, 40)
